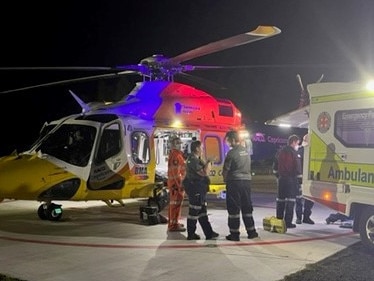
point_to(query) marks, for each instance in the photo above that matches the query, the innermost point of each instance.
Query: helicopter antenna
(304, 95)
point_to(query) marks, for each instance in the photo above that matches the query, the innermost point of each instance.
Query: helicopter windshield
(71, 143)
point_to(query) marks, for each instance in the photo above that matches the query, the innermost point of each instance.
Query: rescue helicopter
(119, 150)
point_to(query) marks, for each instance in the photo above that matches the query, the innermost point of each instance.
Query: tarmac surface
(95, 242)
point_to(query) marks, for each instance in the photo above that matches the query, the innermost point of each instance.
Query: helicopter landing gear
(50, 211)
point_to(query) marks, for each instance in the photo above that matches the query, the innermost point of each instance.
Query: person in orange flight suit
(176, 174)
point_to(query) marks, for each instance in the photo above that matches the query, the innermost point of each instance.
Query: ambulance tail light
(326, 195)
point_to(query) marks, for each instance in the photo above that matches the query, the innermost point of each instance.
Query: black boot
(288, 216)
(308, 220)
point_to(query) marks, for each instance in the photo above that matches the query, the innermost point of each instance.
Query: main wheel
(366, 228)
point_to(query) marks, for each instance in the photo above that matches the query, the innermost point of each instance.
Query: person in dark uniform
(187, 148)
(196, 185)
(237, 176)
(303, 206)
(288, 168)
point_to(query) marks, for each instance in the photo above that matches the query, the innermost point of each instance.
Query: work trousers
(176, 197)
(287, 190)
(303, 206)
(197, 209)
(238, 199)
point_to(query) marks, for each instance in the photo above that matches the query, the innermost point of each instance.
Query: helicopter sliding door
(162, 146)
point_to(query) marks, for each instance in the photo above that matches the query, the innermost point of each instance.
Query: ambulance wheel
(366, 228)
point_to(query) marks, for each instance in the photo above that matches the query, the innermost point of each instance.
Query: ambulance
(339, 159)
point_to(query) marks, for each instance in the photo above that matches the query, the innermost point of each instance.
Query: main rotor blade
(203, 83)
(259, 66)
(261, 32)
(62, 82)
(62, 68)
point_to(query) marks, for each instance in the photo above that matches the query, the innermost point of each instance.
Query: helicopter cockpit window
(70, 143)
(110, 143)
(140, 147)
(225, 110)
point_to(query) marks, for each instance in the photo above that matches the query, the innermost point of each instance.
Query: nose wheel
(50, 211)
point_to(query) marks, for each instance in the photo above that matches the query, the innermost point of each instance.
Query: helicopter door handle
(116, 164)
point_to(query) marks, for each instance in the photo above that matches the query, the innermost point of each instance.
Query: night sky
(330, 37)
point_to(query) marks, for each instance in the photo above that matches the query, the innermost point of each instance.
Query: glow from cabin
(177, 124)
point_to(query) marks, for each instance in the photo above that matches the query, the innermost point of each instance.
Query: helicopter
(119, 150)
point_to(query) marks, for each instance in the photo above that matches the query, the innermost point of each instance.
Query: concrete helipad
(96, 242)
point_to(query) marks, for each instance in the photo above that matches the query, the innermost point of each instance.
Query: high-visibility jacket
(176, 169)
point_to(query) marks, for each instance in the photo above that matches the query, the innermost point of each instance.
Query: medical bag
(149, 215)
(273, 224)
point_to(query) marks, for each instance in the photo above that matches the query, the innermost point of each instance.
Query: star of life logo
(324, 122)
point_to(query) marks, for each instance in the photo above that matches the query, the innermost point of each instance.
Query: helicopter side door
(110, 159)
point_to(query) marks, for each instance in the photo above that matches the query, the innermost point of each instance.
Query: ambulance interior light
(370, 85)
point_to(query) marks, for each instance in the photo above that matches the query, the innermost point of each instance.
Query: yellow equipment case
(273, 224)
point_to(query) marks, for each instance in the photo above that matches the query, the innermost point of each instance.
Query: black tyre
(366, 228)
(42, 212)
(54, 212)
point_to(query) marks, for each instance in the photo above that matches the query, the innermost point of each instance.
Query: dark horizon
(333, 38)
